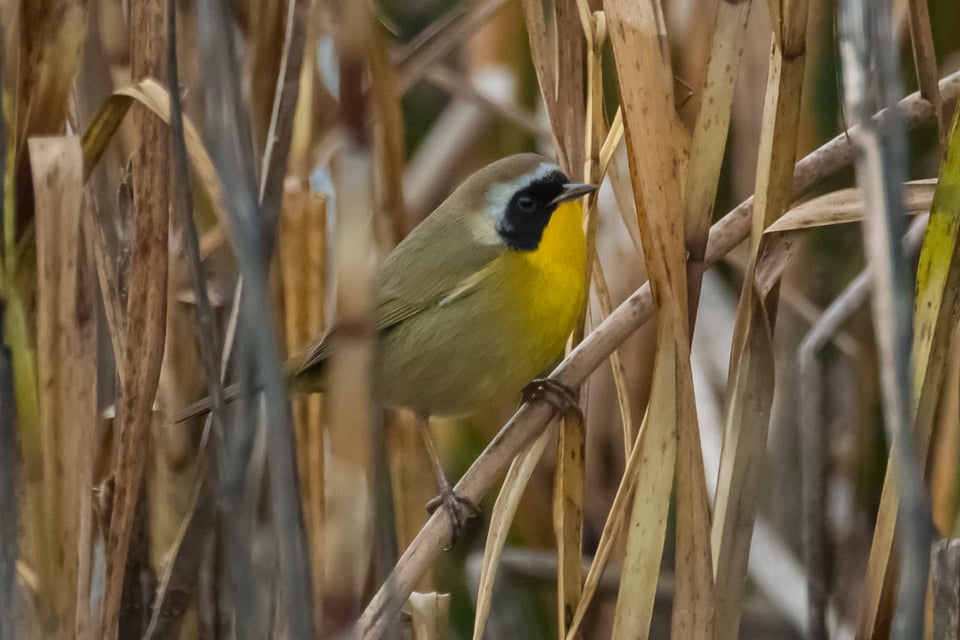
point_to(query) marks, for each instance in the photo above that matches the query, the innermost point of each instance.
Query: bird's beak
(573, 191)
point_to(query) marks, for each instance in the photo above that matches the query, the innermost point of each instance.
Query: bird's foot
(458, 509)
(553, 392)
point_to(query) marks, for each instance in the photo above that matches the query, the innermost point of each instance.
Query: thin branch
(8, 435)
(814, 437)
(280, 134)
(870, 80)
(231, 151)
(531, 418)
(209, 351)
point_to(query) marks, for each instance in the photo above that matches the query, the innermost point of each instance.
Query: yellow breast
(548, 283)
(485, 345)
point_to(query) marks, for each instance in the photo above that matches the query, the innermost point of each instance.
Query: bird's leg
(553, 392)
(457, 507)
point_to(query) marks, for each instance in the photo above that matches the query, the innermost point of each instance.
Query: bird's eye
(526, 202)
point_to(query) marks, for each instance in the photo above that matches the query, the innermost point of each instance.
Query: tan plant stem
(531, 418)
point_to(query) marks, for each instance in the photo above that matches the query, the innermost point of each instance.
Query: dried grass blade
(530, 419)
(51, 37)
(389, 144)
(568, 516)
(500, 519)
(280, 133)
(8, 495)
(154, 97)
(750, 386)
(302, 261)
(265, 42)
(146, 305)
(417, 62)
(693, 556)
(177, 586)
(847, 205)
(646, 83)
(9, 527)
(694, 600)
(9, 449)
(569, 474)
(355, 430)
(429, 615)
(871, 80)
(616, 362)
(66, 359)
(938, 291)
(226, 130)
(710, 133)
(95, 236)
(925, 58)
(569, 118)
(542, 53)
(611, 530)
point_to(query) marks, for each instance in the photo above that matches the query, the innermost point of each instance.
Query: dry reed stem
(504, 509)
(108, 276)
(265, 43)
(938, 287)
(387, 116)
(814, 436)
(45, 42)
(226, 128)
(617, 367)
(153, 96)
(568, 487)
(454, 84)
(643, 62)
(530, 419)
(351, 422)
(280, 133)
(870, 80)
(302, 253)
(420, 56)
(708, 143)
(8, 494)
(925, 58)
(146, 305)
(51, 37)
(9, 544)
(66, 346)
(750, 383)
(709, 138)
(568, 515)
(177, 586)
(429, 615)
(568, 115)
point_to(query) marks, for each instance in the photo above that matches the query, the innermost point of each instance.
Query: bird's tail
(301, 378)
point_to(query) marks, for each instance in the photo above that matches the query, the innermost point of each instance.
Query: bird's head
(513, 199)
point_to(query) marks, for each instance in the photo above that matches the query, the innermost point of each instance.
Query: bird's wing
(434, 265)
(392, 309)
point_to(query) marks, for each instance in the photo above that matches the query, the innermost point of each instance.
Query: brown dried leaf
(750, 386)
(146, 307)
(66, 362)
(500, 519)
(646, 85)
(303, 272)
(51, 37)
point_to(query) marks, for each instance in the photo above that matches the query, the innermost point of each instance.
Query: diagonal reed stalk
(530, 419)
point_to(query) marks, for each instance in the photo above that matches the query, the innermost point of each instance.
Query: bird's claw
(553, 392)
(458, 509)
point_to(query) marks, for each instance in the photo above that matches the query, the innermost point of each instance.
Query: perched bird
(475, 303)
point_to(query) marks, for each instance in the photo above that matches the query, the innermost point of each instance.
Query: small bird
(475, 303)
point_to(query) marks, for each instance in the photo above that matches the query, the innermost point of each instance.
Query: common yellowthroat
(474, 303)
